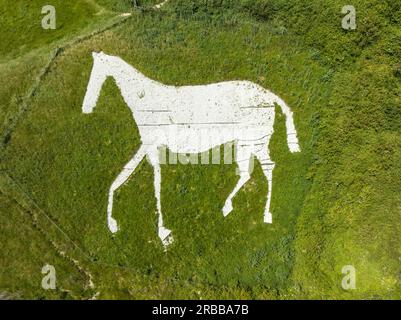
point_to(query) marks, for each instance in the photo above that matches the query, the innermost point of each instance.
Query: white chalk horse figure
(243, 112)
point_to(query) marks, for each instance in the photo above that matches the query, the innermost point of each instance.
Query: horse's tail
(292, 139)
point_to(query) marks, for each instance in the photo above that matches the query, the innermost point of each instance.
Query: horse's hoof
(268, 218)
(228, 207)
(113, 227)
(165, 236)
(167, 241)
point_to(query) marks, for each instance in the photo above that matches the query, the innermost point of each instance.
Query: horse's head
(97, 78)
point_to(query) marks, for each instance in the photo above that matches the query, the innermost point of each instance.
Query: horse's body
(192, 119)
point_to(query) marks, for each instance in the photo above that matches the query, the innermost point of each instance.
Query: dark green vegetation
(337, 203)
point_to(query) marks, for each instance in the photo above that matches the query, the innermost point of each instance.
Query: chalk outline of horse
(156, 108)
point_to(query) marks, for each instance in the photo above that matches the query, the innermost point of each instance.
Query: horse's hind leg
(267, 166)
(129, 168)
(243, 157)
(164, 233)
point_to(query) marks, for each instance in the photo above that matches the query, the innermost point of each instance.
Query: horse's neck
(131, 82)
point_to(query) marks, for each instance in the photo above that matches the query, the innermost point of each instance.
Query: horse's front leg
(129, 168)
(164, 233)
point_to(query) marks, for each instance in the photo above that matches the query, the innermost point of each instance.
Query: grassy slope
(24, 18)
(26, 47)
(352, 214)
(24, 252)
(22, 59)
(17, 77)
(335, 204)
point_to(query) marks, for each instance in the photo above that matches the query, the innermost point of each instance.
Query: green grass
(337, 203)
(17, 77)
(24, 256)
(22, 28)
(27, 48)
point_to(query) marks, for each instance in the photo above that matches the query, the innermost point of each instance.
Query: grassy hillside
(337, 203)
